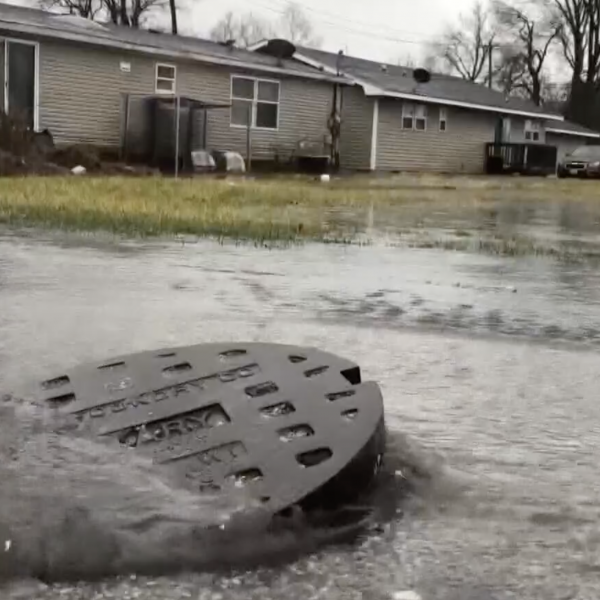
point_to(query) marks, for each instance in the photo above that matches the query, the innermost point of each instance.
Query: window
(532, 130)
(254, 102)
(414, 116)
(408, 115)
(421, 117)
(443, 119)
(166, 76)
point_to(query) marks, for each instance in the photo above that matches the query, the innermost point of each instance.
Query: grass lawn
(271, 209)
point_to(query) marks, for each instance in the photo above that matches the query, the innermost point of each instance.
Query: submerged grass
(275, 209)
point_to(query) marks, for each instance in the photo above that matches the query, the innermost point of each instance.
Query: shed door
(20, 81)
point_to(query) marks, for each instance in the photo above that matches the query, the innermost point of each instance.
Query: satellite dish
(280, 48)
(421, 75)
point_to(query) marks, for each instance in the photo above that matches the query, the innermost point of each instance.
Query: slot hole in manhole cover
(261, 389)
(115, 365)
(352, 375)
(337, 395)
(316, 371)
(296, 358)
(351, 414)
(297, 431)
(56, 382)
(179, 368)
(233, 353)
(58, 401)
(278, 410)
(248, 476)
(312, 458)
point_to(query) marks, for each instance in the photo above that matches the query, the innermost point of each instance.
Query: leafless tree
(466, 47)
(527, 37)
(580, 40)
(245, 29)
(405, 60)
(130, 13)
(295, 26)
(88, 9)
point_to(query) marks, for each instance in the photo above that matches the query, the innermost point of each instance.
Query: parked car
(582, 162)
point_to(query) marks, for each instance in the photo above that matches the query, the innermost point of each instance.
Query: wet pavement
(489, 370)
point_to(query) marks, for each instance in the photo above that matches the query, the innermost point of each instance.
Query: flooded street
(488, 364)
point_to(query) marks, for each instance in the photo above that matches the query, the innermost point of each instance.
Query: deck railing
(526, 159)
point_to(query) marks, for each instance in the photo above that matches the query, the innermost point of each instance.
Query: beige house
(392, 123)
(70, 76)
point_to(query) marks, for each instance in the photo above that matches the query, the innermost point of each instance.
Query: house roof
(19, 20)
(397, 82)
(570, 128)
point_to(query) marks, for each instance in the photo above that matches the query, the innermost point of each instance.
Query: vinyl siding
(517, 132)
(82, 91)
(459, 149)
(356, 127)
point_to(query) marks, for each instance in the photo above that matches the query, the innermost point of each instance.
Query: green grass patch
(276, 209)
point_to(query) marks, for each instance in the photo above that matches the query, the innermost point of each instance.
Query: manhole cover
(293, 425)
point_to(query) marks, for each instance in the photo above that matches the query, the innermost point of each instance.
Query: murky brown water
(488, 366)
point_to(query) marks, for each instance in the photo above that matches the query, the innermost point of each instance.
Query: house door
(20, 70)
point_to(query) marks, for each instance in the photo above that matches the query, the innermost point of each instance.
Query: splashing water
(72, 508)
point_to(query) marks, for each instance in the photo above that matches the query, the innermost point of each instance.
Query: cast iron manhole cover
(293, 425)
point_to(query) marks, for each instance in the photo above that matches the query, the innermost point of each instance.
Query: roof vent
(421, 75)
(228, 43)
(384, 68)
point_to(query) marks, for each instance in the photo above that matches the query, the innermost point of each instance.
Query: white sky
(382, 30)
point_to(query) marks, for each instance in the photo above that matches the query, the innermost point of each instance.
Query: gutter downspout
(374, 132)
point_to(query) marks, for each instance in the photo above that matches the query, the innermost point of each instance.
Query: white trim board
(374, 134)
(590, 134)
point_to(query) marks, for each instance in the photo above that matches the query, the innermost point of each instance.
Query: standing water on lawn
(489, 371)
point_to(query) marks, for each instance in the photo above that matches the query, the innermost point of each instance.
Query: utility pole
(490, 63)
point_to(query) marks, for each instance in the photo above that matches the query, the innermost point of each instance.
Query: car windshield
(587, 152)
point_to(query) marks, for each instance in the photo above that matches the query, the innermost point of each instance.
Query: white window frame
(532, 130)
(421, 115)
(408, 112)
(443, 119)
(255, 101)
(173, 80)
(5, 41)
(412, 110)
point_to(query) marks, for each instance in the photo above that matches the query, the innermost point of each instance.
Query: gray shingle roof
(14, 18)
(399, 80)
(569, 127)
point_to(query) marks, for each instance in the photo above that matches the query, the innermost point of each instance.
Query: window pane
(266, 115)
(240, 112)
(242, 87)
(268, 90)
(407, 123)
(408, 110)
(165, 85)
(420, 124)
(442, 125)
(165, 72)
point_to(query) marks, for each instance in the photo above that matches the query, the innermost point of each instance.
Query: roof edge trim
(88, 38)
(589, 134)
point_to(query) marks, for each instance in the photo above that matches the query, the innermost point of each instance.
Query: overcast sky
(378, 29)
(383, 30)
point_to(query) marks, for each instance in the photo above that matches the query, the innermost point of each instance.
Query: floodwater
(489, 368)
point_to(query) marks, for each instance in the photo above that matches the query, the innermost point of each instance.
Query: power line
(352, 30)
